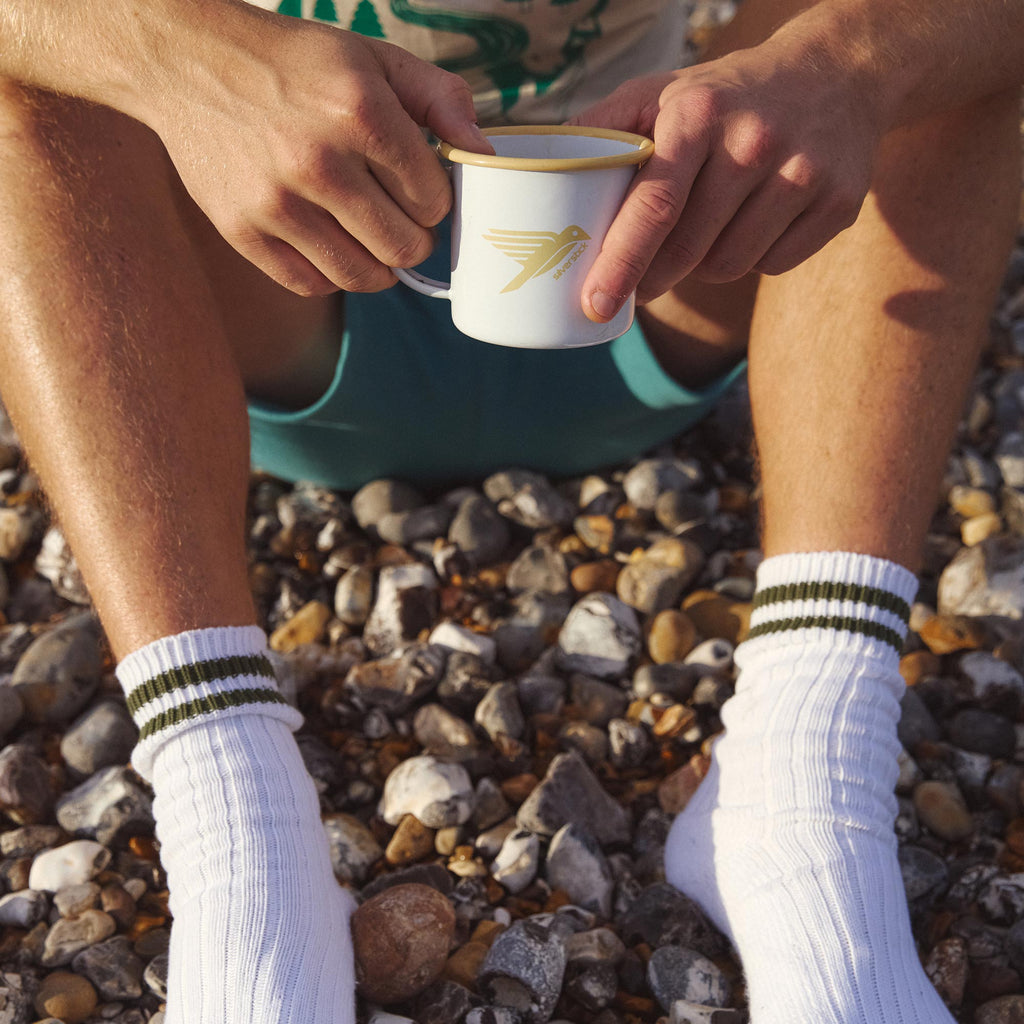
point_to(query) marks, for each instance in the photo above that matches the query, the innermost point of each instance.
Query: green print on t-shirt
(500, 42)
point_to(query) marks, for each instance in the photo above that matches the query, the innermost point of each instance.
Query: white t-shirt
(527, 61)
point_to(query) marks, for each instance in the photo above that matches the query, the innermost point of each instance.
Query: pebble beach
(510, 689)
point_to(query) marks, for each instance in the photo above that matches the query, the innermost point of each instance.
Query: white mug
(527, 225)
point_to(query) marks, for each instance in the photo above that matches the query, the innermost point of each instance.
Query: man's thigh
(115, 174)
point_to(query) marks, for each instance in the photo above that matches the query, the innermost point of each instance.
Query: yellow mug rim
(644, 149)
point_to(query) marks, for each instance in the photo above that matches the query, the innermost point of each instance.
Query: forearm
(911, 59)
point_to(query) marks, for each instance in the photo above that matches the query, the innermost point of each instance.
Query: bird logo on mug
(539, 252)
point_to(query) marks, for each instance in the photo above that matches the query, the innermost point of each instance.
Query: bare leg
(122, 313)
(127, 330)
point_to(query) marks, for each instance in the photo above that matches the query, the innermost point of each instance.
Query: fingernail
(603, 305)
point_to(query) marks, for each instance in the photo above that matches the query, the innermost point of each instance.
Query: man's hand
(760, 159)
(301, 144)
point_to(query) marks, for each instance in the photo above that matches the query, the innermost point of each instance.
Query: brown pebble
(672, 636)
(942, 810)
(676, 790)
(978, 528)
(401, 938)
(518, 787)
(943, 634)
(1004, 1010)
(989, 979)
(971, 501)
(674, 720)
(412, 841)
(306, 626)
(946, 967)
(597, 532)
(716, 615)
(464, 964)
(591, 577)
(66, 995)
(118, 904)
(918, 664)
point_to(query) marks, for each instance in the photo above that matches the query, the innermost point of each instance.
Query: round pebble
(67, 996)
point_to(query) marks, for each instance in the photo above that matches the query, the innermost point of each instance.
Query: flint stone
(650, 478)
(1003, 1010)
(683, 1012)
(155, 975)
(541, 691)
(661, 915)
(16, 996)
(658, 579)
(596, 701)
(24, 909)
(433, 875)
(629, 743)
(58, 674)
(987, 579)
(947, 967)
(1015, 945)
(415, 524)
(379, 498)
(924, 873)
(479, 530)
(70, 935)
(70, 864)
(916, 724)
(73, 899)
(438, 794)
(354, 848)
(589, 740)
(26, 790)
(105, 805)
(592, 985)
(113, 968)
(571, 793)
(672, 678)
(524, 969)
(1002, 900)
(56, 563)
(398, 682)
(103, 735)
(454, 637)
(442, 1002)
(443, 734)
(492, 1015)
(600, 637)
(529, 499)
(596, 945)
(677, 973)
(515, 866)
(464, 682)
(406, 604)
(539, 568)
(994, 684)
(983, 732)
(489, 804)
(353, 596)
(498, 713)
(576, 864)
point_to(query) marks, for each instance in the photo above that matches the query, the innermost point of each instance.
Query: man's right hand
(301, 143)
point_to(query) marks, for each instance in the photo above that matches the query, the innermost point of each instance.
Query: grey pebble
(529, 499)
(441, 1002)
(396, 683)
(592, 985)
(479, 530)
(492, 1015)
(524, 968)
(56, 563)
(437, 793)
(923, 871)
(600, 637)
(499, 713)
(70, 935)
(541, 691)
(112, 967)
(539, 567)
(672, 678)
(518, 860)
(417, 524)
(649, 478)
(986, 579)
(155, 975)
(983, 732)
(916, 724)
(11, 707)
(104, 804)
(576, 864)
(24, 909)
(16, 995)
(353, 596)
(597, 701)
(489, 804)
(380, 498)
(74, 899)
(26, 788)
(629, 743)
(354, 848)
(993, 683)
(661, 915)
(101, 736)
(590, 741)
(677, 973)
(59, 673)
(570, 792)
(406, 603)
(444, 734)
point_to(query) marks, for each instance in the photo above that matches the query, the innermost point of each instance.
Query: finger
(759, 222)
(332, 248)
(808, 234)
(283, 264)
(650, 211)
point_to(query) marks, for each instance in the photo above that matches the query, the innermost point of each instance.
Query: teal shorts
(414, 398)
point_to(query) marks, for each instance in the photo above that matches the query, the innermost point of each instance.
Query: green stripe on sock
(200, 672)
(208, 705)
(832, 591)
(846, 624)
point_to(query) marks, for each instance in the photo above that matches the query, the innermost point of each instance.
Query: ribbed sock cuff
(181, 680)
(862, 601)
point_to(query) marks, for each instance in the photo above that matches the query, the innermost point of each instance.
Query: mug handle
(424, 285)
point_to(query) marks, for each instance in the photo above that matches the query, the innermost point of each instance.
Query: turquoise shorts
(414, 398)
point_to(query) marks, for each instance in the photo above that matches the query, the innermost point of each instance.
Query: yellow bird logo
(537, 252)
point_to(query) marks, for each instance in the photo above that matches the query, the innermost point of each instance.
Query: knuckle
(753, 144)
(721, 268)
(365, 277)
(410, 251)
(801, 172)
(658, 203)
(702, 105)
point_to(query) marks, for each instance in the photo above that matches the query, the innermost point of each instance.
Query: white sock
(260, 933)
(789, 843)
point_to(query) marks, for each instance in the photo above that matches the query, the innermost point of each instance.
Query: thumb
(437, 100)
